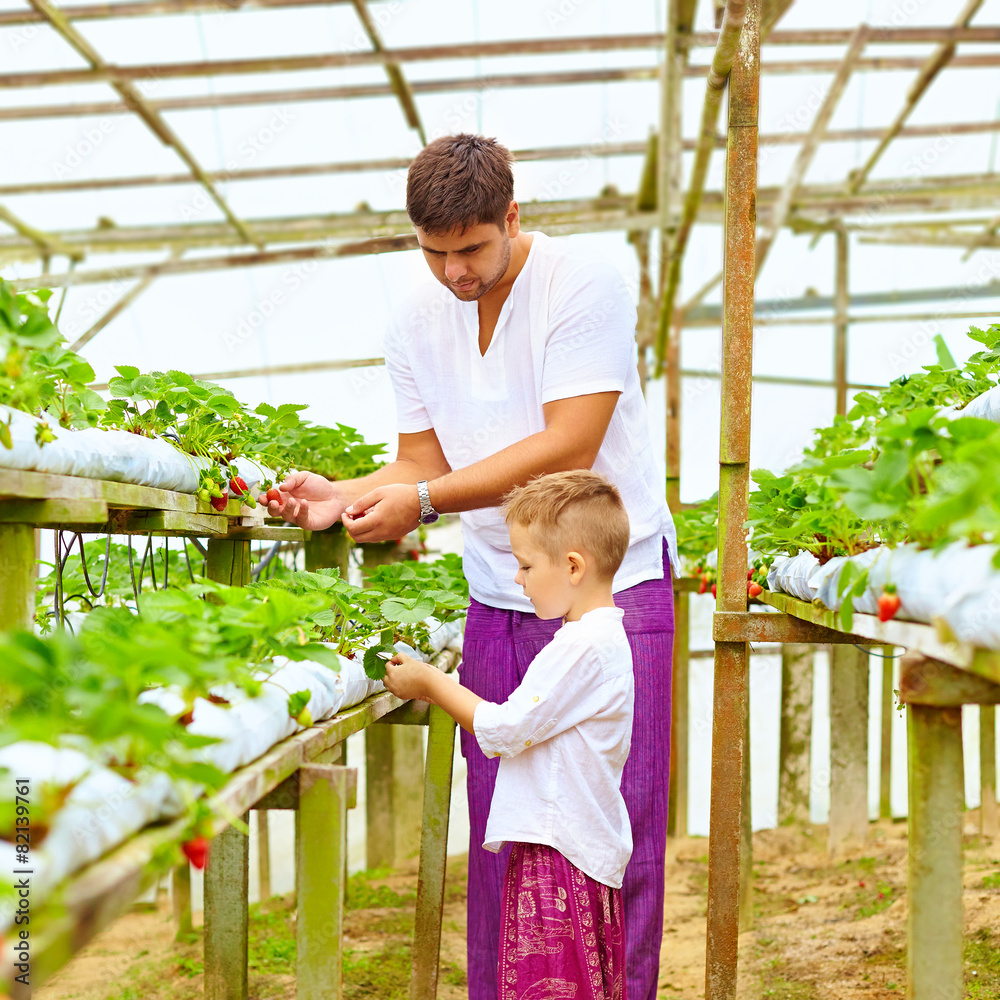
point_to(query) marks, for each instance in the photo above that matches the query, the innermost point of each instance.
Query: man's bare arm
(574, 430)
(314, 503)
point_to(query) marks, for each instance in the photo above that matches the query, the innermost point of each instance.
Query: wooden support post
(17, 576)
(796, 732)
(848, 748)
(226, 916)
(320, 852)
(677, 814)
(841, 305)
(229, 561)
(180, 892)
(885, 762)
(394, 765)
(934, 900)
(433, 854)
(989, 820)
(263, 857)
(727, 849)
(328, 548)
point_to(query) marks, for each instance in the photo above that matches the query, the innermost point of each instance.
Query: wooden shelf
(95, 505)
(914, 636)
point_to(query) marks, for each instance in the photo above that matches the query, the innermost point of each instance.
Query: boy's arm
(408, 678)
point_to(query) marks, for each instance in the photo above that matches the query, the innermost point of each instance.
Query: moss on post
(848, 748)
(796, 732)
(937, 801)
(17, 576)
(326, 549)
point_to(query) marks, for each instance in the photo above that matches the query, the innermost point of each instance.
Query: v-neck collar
(472, 314)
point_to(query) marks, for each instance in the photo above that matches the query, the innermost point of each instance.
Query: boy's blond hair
(579, 509)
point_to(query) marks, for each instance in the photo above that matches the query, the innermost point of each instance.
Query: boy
(563, 737)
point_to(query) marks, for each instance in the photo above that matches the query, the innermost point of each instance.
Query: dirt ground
(823, 930)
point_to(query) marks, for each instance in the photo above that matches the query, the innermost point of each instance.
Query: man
(524, 363)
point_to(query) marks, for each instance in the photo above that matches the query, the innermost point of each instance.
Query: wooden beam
(929, 71)
(848, 823)
(133, 98)
(751, 626)
(924, 681)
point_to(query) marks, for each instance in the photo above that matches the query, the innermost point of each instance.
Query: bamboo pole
(392, 70)
(718, 76)
(928, 73)
(730, 750)
(841, 298)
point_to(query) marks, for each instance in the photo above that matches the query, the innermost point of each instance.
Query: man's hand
(383, 514)
(305, 499)
(406, 677)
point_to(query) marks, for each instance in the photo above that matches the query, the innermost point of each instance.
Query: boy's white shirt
(563, 737)
(567, 328)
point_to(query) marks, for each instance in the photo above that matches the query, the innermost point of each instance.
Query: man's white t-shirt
(566, 329)
(564, 735)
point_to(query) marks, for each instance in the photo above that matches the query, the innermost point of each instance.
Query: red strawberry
(219, 503)
(702, 587)
(888, 603)
(414, 554)
(753, 589)
(274, 495)
(713, 589)
(238, 485)
(196, 851)
(750, 573)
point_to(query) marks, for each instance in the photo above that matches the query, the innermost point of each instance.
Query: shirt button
(496, 755)
(535, 698)
(527, 743)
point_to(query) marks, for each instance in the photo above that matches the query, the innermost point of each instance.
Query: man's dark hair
(459, 181)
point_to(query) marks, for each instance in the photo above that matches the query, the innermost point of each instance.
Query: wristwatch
(428, 515)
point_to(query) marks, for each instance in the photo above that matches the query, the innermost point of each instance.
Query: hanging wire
(83, 565)
(148, 551)
(871, 652)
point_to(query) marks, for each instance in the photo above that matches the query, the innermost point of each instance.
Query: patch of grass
(190, 966)
(787, 989)
(271, 946)
(885, 897)
(362, 894)
(991, 881)
(386, 974)
(982, 965)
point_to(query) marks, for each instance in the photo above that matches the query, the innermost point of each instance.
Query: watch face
(430, 518)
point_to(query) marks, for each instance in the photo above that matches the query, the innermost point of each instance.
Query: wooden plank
(170, 522)
(17, 576)
(750, 626)
(262, 533)
(229, 562)
(923, 681)
(46, 486)
(180, 898)
(320, 855)
(885, 760)
(677, 812)
(433, 855)
(914, 636)
(263, 856)
(989, 814)
(50, 513)
(848, 826)
(796, 732)
(226, 915)
(934, 893)
(330, 548)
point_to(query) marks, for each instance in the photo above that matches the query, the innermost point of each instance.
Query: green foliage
(39, 375)
(697, 531)
(895, 469)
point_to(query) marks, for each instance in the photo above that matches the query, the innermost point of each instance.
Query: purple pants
(563, 933)
(499, 646)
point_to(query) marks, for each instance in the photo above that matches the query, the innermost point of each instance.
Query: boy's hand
(406, 677)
